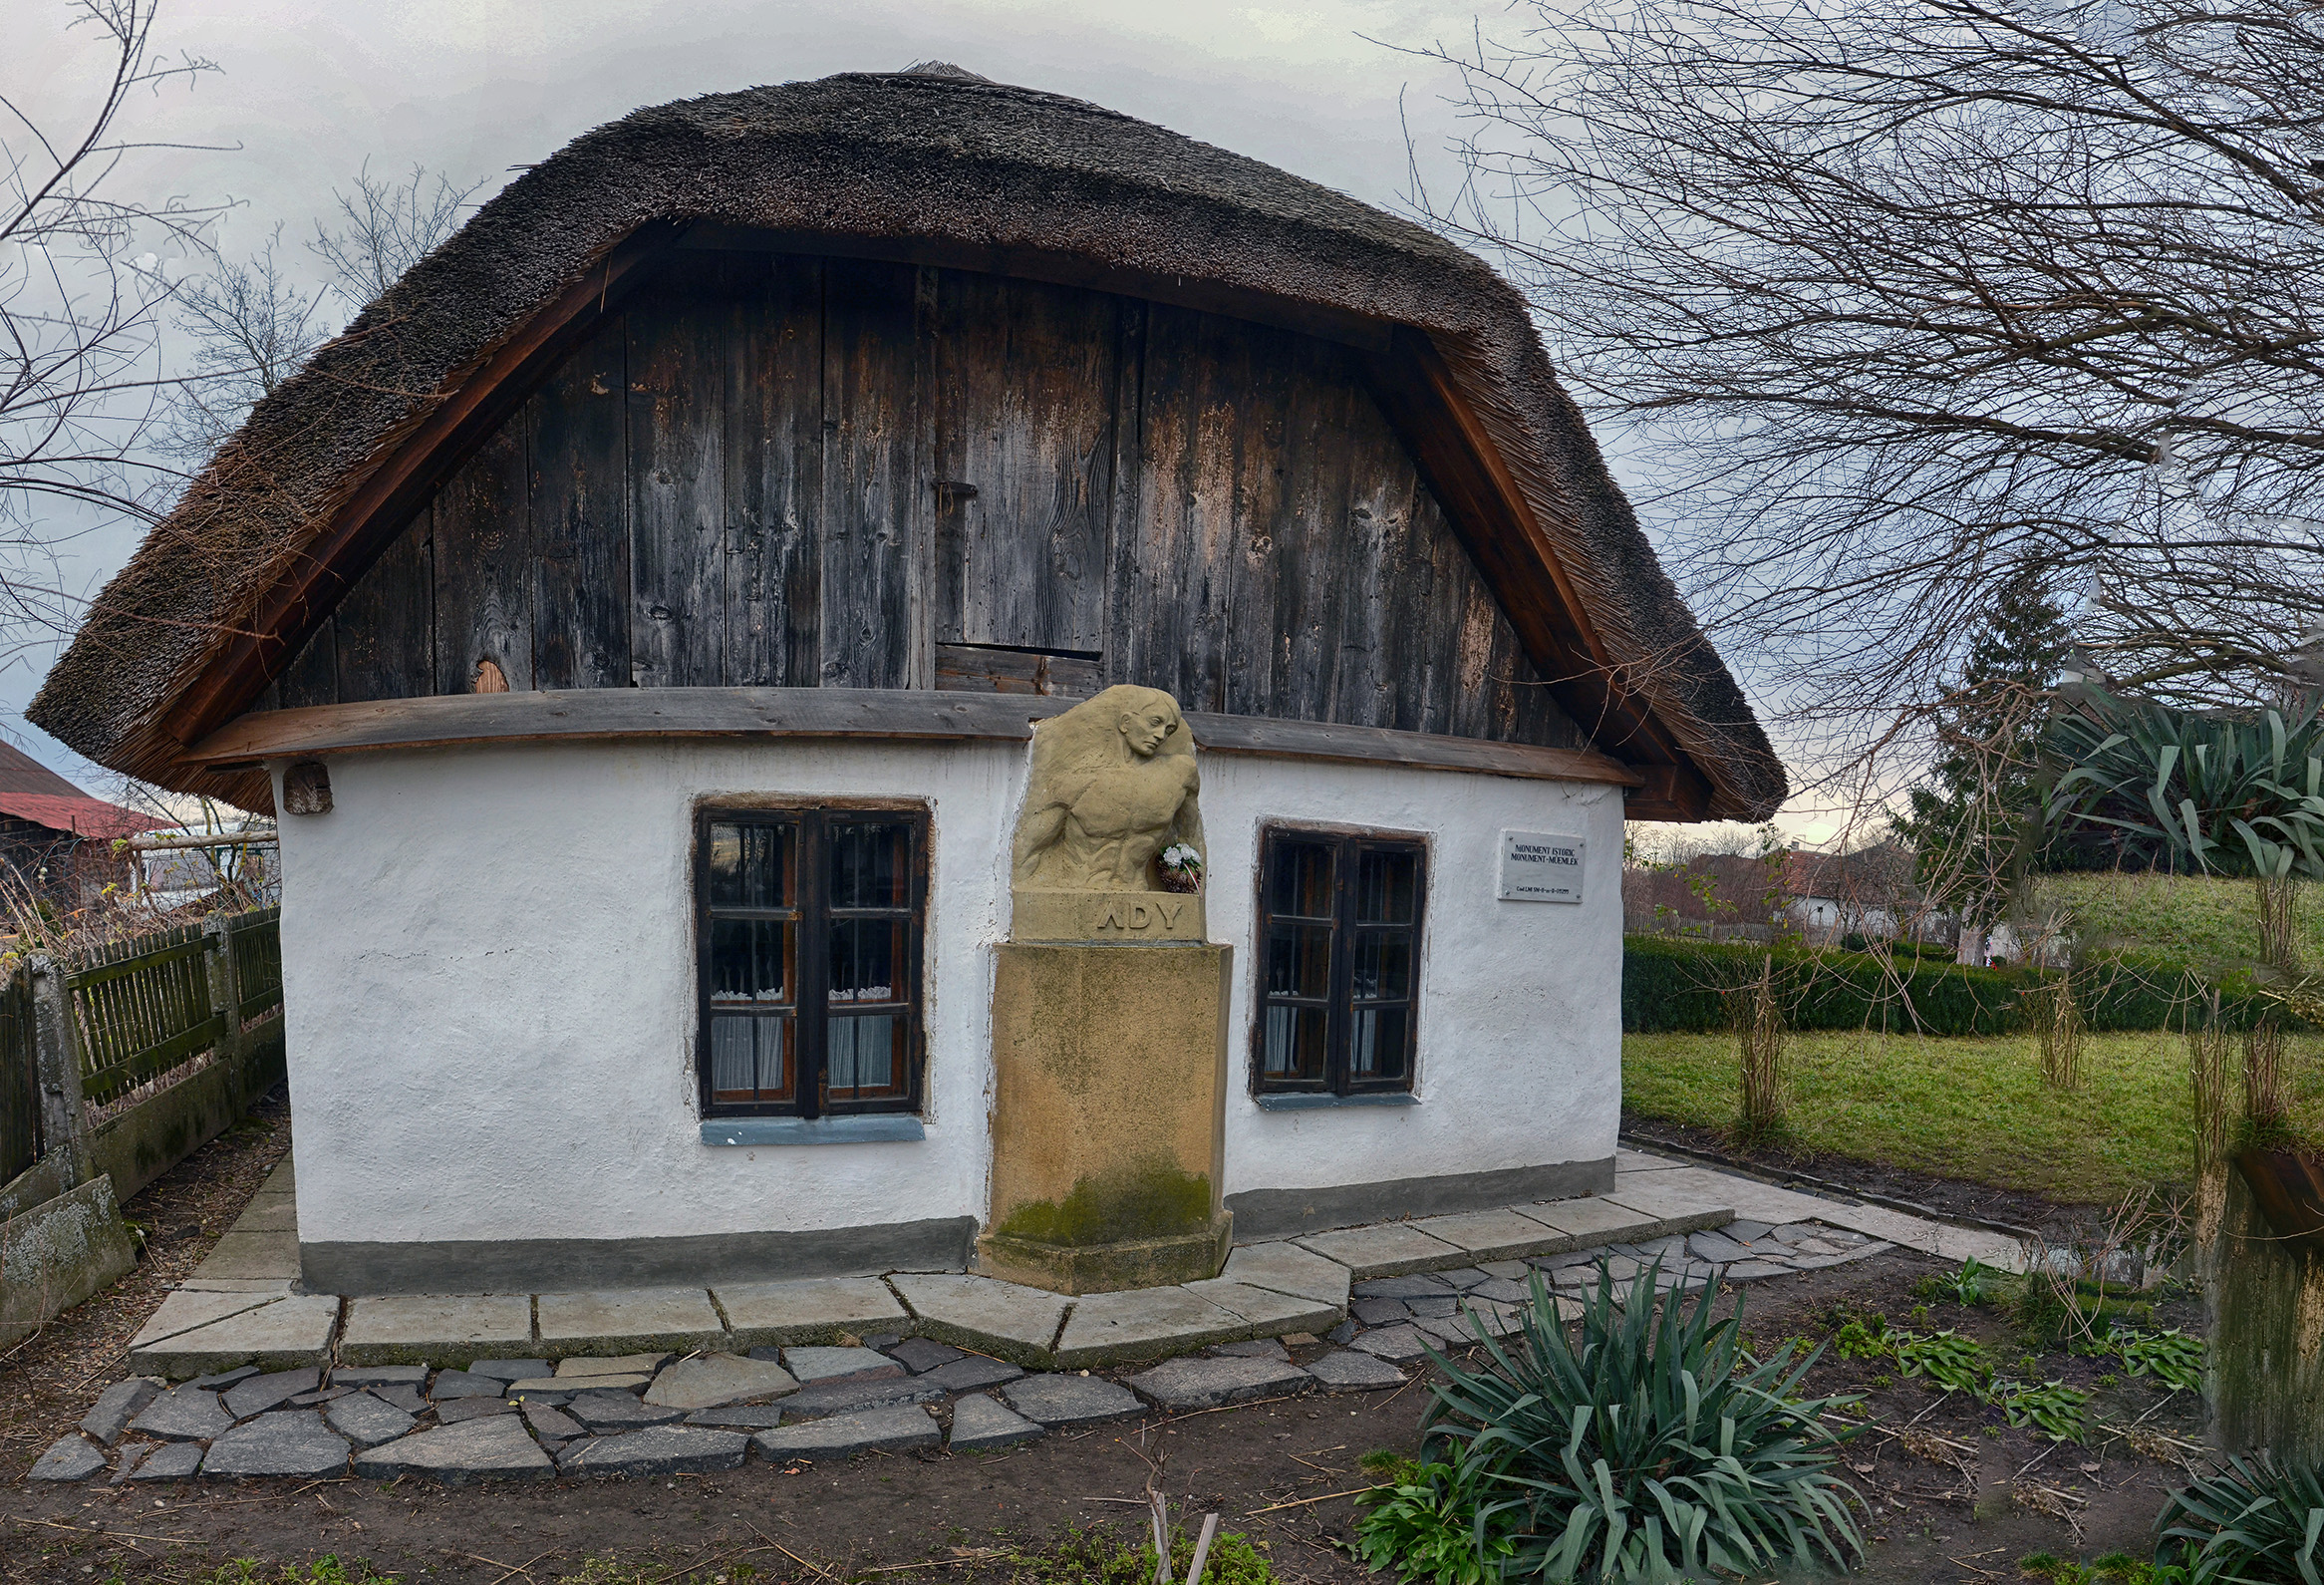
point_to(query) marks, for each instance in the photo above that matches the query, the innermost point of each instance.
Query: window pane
(867, 956)
(1299, 881)
(751, 865)
(871, 865)
(1298, 960)
(1377, 1047)
(1384, 887)
(750, 959)
(861, 1056)
(750, 1058)
(1295, 1044)
(1383, 964)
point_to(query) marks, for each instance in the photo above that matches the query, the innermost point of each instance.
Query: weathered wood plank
(1023, 392)
(870, 475)
(387, 623)
(312, 676)
(969, 668)
(484, 567)
(774, 473)
(579, 448)
(900, 713)
(677, 481)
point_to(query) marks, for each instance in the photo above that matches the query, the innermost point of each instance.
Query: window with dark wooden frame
(810, 936)
(1338, 962)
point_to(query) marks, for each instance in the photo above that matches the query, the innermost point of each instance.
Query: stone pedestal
(1109, 1109)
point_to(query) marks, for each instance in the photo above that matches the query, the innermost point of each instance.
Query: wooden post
(58, 1057)
(226, 1003)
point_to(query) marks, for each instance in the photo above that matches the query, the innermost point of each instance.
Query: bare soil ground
(1953, 1494)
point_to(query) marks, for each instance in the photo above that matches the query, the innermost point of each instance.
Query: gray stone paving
(1189, 1383)
(873, 1358)
(838, 1436)
(661, 1451)
(1055, 1400)
(291, 1442)
(116, 1406)
(981, 1423)
(71, 1457)
(367, 1421)
(1344, 1371)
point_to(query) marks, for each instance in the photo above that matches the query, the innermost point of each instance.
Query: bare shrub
(1756, 1010)
(2266, 1103)
(2206, 1061)
(2057, 1021)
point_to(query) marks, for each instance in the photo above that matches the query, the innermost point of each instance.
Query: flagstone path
(463, 1387)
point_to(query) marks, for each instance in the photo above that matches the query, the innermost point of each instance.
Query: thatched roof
(931, 156)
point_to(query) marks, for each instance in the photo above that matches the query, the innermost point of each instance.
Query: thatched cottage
(641, 616)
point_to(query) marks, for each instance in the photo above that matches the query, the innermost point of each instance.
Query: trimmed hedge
(1672, 985)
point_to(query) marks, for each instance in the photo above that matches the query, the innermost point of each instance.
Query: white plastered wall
(488, 958)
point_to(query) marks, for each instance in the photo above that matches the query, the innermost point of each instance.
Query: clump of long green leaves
(2254, 1519)
(1647, 1447)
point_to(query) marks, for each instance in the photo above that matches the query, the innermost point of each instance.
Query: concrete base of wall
(1262, 1214)
(535, 1265)
(58, 1253)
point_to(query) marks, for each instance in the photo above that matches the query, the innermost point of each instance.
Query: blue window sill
(1311, 1103)
(812, 1130)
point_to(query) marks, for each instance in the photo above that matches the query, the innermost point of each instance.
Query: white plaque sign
(1541, 866)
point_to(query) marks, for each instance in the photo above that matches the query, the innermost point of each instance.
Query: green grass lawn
(1968, 1108)
(2208, 920)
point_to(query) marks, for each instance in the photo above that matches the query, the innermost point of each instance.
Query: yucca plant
(2219, 795)
(1647, 1448)
(2253, 1521)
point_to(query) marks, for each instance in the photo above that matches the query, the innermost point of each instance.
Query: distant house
(1870, 893)
(45, 822)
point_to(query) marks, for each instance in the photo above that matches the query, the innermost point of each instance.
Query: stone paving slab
(260, 1287)
(921, 1355)
(1263, 1310)
(614, 1412)
(380, 1376)
(168, 1461)
(256, 1394)
(972, 1370)
(269, 1213)
(116, 1406)
(662, 1451)
(71, 1457)
(627, 1320)
(466, 1384)
(367, 1421)
(850, 1393)
(812, 1364)
(1058, 1400)
(1398, 1344)
(505, 1370)
(748, 1417)
(277, 1335)
(1384, 1247)
(814, 1310)
(183, 1413)
(1589, 1221)
(711, 1380)
(1188, 1382)
(434, 1329)
(981, 1423)
(497, 1449)
(254, 1252)
(1286, 1268)
(1678, 1202)
(1494, 1235)
(1003, 1319)
(1142, 1324)
(872, 1430)
(188, 1308)
(453, 1410)
(287, 1442)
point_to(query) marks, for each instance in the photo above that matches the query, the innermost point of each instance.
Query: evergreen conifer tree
(1975, 820)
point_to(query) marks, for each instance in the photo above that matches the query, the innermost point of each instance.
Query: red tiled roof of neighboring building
(32, 792)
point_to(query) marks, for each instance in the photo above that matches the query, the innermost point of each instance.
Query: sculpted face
(1144, 729)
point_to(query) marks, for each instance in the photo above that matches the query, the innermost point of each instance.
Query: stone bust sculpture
(1113, 782)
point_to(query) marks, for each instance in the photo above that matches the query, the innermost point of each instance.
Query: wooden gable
(765, 469)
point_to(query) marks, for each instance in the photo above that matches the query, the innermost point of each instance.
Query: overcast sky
(307, 93)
